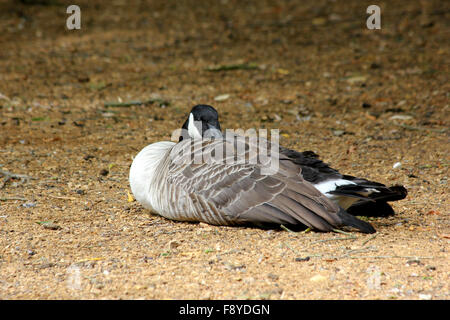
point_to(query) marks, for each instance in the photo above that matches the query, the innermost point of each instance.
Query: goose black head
(203, 122)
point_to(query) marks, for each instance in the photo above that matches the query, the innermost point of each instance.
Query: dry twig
(294, 232)
(136, 103)
(13, 198)
(421, 128)
(61, 197)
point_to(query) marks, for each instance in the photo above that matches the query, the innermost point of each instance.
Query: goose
(358, 196)
(166, 179)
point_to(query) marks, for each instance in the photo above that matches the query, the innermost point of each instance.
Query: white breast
(144, 172)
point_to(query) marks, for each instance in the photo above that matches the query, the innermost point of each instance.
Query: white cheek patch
(192, 129)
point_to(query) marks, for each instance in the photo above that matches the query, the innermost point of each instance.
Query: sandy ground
(363, 99)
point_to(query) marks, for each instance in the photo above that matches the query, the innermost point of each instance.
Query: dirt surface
(362, 99)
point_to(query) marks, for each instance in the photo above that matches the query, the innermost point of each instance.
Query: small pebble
(29, 205)
(272, 276)
(338, 133)
(414, 261)
(276, 117)
(396, 290)
(47, 265)
(306, 118)
(300, 259)
(425, 296)
(146, 258)
(375, 65)
(88, 157)
(222, 97)
(397, 165)
(173, 244)
(50, 226)
(317, 278)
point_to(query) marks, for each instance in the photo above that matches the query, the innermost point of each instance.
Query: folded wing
(238, 192)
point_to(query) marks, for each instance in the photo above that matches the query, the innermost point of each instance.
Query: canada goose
(358, 196)
(166, 181)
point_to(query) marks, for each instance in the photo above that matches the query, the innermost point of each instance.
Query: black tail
(362, 191)
(371, 209)
(375, 205)
(394, 193)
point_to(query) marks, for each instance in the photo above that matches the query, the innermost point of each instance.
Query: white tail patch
(331, 185)
(342, 200)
